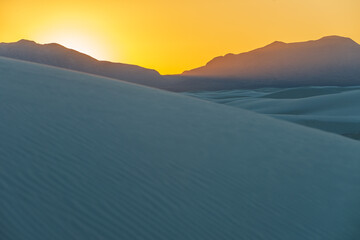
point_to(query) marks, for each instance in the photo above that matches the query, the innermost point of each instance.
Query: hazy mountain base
(85, 157)
(332, 109)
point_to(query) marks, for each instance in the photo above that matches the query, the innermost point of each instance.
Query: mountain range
(331, 60)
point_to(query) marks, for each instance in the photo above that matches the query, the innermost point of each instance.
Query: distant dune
(332, 109)
(87, 157)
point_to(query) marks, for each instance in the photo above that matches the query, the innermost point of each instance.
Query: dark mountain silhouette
(331, 60)
(57, 55)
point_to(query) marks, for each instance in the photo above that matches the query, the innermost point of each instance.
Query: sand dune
(85, 157)
(332, 109)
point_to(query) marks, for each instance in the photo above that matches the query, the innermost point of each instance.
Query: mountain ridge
(276, 45)
(328, 61)
(331, 43)
(54, 54)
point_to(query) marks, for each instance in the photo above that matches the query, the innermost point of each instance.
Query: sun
(79, 39)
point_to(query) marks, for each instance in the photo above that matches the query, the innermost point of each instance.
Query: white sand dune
(332, 109)
(85, 157)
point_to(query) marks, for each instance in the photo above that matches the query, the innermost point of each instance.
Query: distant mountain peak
(57, 45)
(29, 42)
(337, 39)
(275, 45)
(25, 41)
(334, 37)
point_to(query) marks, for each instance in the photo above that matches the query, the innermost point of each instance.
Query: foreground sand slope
(84, 157)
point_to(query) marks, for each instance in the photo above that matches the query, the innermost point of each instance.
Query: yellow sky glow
(173, 36)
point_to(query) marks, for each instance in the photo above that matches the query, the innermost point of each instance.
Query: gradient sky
(173, 36)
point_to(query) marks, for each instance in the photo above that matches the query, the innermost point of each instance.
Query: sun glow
(173, 36)
(78, 40)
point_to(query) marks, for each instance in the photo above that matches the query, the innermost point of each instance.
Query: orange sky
(173, 36)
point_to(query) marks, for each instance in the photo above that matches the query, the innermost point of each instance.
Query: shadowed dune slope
(84, 157)
(332, 109)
